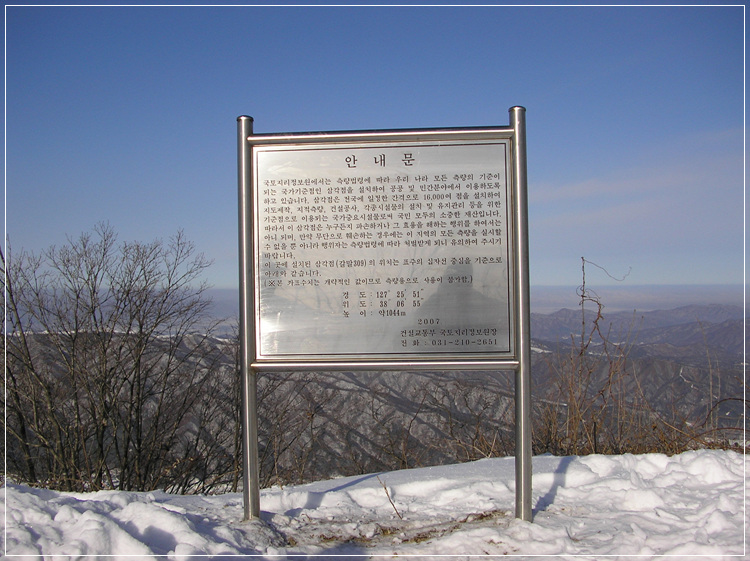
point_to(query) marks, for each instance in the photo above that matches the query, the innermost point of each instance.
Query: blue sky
(635, 119)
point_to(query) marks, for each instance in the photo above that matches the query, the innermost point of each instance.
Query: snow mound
(648, 505)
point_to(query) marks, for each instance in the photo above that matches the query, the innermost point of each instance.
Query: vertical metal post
(523, 337)
(250, 475)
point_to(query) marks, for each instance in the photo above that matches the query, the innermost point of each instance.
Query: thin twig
(387, 494)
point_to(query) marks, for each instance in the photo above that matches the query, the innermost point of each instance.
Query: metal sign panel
(383, 250)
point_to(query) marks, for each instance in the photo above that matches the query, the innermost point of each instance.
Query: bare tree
(108, 356)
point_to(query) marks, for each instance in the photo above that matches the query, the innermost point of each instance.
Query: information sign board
(383, 250)
(399, 249)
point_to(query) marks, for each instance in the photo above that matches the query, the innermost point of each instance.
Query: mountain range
(689, 334)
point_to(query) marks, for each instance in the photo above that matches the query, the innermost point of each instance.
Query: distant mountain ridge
(683, 332)
(692, 334)
(561, 324)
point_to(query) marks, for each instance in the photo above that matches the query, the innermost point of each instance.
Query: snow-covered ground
(650, 505)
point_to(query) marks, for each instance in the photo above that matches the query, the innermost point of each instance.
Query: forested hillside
(183, 433)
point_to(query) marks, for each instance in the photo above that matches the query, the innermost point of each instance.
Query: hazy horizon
(550, 298)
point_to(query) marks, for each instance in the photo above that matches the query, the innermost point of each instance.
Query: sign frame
(518, 356)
